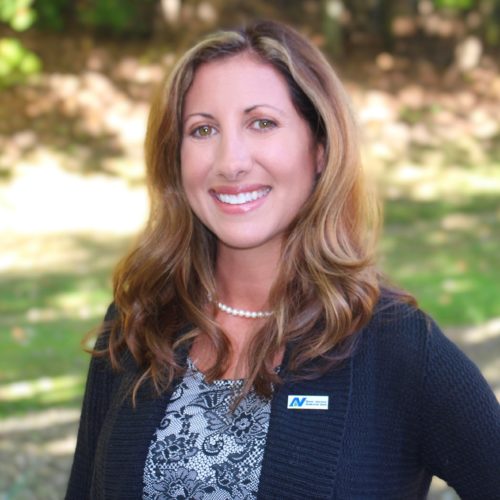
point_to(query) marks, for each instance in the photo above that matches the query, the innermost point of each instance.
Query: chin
(241, 244)
(249, 243)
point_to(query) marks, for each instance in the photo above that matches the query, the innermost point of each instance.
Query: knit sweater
(407, 405)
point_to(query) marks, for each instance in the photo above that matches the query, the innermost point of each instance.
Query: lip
(239, 208)
(242, 188)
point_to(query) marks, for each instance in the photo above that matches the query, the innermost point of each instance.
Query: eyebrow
(204, 115)
(246, 111)
(252, 108)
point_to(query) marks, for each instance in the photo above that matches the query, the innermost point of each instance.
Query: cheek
(189, 186)
(302, 165)
(299, 154)
(194, 185)
(195, 163)
(190, 170)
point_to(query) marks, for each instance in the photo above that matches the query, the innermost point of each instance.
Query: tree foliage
(336, 22)
(19, 14)
(117, 16)
(455, 4)
(16, 61)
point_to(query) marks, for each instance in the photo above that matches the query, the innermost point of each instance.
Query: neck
(245, 277)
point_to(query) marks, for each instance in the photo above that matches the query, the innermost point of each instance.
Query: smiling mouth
(242, 198)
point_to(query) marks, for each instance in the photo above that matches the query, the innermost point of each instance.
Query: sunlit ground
(72, 197)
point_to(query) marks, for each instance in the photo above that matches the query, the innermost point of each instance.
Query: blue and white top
(202, 450)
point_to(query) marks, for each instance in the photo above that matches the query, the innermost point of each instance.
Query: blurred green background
(76, 77)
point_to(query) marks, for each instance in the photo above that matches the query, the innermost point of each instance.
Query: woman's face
(248, 159)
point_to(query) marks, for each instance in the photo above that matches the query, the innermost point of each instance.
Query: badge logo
(300, 402)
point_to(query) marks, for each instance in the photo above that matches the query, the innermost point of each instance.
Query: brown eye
(263, 124)
(203, 131)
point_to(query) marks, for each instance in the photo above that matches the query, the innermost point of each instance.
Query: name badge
(296, 402)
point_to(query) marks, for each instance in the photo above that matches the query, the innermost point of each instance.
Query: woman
(251, 350)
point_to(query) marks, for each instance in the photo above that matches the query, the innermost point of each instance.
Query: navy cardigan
(406, 406)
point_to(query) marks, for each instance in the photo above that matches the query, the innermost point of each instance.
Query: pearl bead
(242, 313)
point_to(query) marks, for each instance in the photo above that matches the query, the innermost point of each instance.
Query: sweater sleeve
(460, 422)
(95, 405)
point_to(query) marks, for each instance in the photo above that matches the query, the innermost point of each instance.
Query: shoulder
(399, 327)
(110, 344)
(403, 342)
(112, 313)
(102, 332)
(398, 343)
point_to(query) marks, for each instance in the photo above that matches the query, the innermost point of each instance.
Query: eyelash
(270, 124)
(196, 131)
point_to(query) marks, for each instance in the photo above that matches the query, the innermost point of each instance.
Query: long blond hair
(327, 285)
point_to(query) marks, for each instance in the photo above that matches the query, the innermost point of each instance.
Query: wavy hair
(327, 284)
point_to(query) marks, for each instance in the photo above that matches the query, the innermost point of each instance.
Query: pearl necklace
(242, 312)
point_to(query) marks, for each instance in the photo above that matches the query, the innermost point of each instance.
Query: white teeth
(240, 198)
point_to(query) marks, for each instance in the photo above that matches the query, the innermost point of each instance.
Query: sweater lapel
(303, 446)
(132, 430)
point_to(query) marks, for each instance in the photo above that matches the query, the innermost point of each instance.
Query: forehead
(242, 78)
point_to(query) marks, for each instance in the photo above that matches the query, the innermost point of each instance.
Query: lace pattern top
(202, 450)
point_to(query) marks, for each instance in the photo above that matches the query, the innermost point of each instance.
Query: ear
(320, 158)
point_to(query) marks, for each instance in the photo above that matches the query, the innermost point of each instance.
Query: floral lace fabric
(201, 449)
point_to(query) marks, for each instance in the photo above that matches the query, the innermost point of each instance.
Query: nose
(233, 160)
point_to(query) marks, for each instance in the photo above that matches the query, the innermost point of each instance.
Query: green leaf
(30, 64)
(16, 62)
(8, 10)
(23, 19)
(11, 50)
(454, 4)
(5, 68)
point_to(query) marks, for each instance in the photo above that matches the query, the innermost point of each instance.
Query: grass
(446, 253)
(443, 252)
(43, 318)
(443, 249)
(43, 366)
